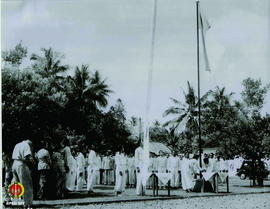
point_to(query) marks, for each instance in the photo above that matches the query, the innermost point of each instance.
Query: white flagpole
(149, 87)
(199, 90)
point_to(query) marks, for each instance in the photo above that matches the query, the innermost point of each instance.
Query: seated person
(208, 174)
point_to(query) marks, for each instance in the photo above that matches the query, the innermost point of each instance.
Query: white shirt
(21, 151)
(120, 161)
(180, 164)
(212, 161)
(92, 159)
(173, 163)
(139, 161)
(153, 164)
(67, 155)
(106, 163)
(43, 159)
(73, 164)
(194, 166)
(268, 164)
(131, 163)
(99, 163)
(162, 162)
(80, 161)
(185, 165)
(222, 165)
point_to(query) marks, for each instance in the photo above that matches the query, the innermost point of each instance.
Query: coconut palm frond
(173, 111)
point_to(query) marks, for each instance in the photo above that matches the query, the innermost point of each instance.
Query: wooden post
(227, 180)
(217, 183)
(214, 183)
(157, 184)
(153, 184)
(169, 185)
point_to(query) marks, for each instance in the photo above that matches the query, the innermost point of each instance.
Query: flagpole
(149, 85)
(199, 90)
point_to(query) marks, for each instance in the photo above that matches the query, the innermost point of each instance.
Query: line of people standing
(55, 170)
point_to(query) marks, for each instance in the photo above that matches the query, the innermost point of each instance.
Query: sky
(114, 37)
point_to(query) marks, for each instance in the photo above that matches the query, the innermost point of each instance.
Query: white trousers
(91, 177)
(71, 180)
(175, 178)
(139, 186)
(97, 181)
(187, 180)
(161, 170)
(80, 180)
(131, 176)
(22, 174)
(120, 182)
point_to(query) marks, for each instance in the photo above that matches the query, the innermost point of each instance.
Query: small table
(216, 175)
(155, 184)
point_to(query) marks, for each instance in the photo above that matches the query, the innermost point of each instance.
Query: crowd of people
(54, 171)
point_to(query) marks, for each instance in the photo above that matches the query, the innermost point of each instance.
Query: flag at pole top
(204, 26)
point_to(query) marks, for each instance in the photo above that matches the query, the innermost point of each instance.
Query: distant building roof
(155, 147)
(210, 149)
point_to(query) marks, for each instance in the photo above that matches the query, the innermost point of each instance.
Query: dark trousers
(44, 184)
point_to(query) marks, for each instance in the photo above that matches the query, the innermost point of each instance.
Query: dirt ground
(249, 201)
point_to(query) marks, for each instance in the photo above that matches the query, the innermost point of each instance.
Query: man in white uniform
(140, 168)
(131, 171)
(80, 160)
(99, 167)
(221, 167)
(152, 163)
(162, 165)
(22, 155)
(91, 170)
(180, 156)
(173, 167)
(71, 164)
(152, 168)
(107, 168)
(120, 172)
(44, 166)
(73, 170)
(212, 158)
(195, 166)
(267, 161)
(238, 162)
(112, 169)
(186, 174)
(125, 163)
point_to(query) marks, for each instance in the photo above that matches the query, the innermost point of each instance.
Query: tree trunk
(253, 172)
(260, 172)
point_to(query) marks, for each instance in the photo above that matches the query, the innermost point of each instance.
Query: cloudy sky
(114, 37)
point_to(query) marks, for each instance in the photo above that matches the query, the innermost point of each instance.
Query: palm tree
(218, 115)
(88, 90)
(172, 139)
(185, 113)
(219, 100)
(49, 66)
(98, 90)
(135, 127)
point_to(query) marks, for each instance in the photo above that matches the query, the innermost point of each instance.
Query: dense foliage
(42, 102)
(235, 127)
(49, 100)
